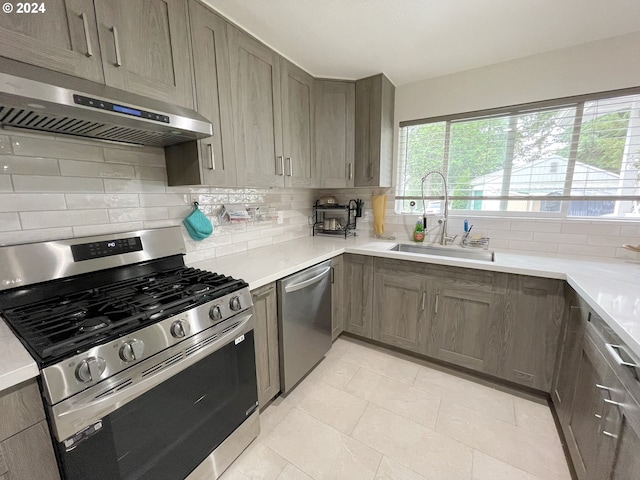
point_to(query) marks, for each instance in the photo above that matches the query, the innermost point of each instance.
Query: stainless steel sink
(456, 252)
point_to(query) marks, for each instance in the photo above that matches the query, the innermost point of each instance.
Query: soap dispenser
(418, 231)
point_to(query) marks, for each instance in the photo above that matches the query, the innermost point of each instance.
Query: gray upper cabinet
(257, 111)
(375, 99)
(65, 39)
(334, 133)
(145, 48)
(297, 125)
(210, 161)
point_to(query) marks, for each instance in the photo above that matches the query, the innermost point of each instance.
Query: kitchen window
(575, 157)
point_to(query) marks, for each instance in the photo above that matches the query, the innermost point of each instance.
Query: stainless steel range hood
(37, 99)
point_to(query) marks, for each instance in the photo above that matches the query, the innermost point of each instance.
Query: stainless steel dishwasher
(304, 320)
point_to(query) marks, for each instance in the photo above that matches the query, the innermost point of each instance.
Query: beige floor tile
(489, 468)
(338, 348)
(321, 451)
(390, 470)
(384, 364)
(478, 397)
(535, 418)
(518, 447)
(334, 372)
(274, 413)
(257, 462)
(333, 406)
(412, 403)
(291, 472)
(414, 446)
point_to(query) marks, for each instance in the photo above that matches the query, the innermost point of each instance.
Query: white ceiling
(411, 40)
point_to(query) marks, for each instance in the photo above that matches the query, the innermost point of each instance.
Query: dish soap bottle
(418, 232)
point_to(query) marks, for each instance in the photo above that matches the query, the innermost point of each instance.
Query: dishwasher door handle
(306, 283)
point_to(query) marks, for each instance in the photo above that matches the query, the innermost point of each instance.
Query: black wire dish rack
(335, 220)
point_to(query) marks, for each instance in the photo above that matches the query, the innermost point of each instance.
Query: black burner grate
(64, 325)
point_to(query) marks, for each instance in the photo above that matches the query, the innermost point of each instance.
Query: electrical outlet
(279, 217)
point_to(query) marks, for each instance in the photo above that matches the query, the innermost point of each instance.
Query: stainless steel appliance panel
(304, 320)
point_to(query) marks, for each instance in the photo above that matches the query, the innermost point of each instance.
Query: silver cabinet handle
(597, 415)
(333, 275)
(611, 402)
(424, 294)
(306, 283)
(350, 171)
(613, 350)
(280, 162)
(437, 298)
(608, 434)
(290, 163)
(87, 36)
(210, 158)
(602, 387)
(116, 44)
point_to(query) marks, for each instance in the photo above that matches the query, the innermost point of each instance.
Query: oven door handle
(76, 413)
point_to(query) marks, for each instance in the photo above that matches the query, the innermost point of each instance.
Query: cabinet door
(334, 133)
(399, 310)
(257, 116)
(533, 319)
(337, 297)
(375, 98)
(29, 455)
(265, 314)
(213, 93)
(64, 38)
(20, 407)
(467, 324)
(297, 125)
(145, 48)
(358, 301)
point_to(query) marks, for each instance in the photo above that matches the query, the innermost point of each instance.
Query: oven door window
(172, 428)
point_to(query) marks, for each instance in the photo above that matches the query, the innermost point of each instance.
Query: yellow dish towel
(379, 203)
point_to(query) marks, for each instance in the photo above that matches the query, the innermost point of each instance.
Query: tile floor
(366, 413)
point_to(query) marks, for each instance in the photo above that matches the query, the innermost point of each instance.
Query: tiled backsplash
(53, 187)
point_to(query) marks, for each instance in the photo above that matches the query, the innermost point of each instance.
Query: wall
(54, 187)
(597, 66)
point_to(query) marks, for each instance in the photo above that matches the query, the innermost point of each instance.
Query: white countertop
(610, 288)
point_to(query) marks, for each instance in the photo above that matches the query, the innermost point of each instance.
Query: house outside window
(577, 157)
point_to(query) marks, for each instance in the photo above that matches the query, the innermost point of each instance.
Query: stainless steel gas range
(147, 366)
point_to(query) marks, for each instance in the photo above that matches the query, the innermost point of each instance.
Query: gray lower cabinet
(375, 100)
(358, 300)
(26, 452)
(210, 161)
(337, 296)
(334, 133)
(64, 39)
(265, 314)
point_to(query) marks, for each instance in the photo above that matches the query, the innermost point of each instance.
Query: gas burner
(147, 301)
(77, 314)
(94, 323)
(197, 289)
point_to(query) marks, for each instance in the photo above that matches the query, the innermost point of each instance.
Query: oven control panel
(89, 251)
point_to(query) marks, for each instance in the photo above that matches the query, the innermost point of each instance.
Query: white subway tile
(36, 183)
(507, 234)
(560, 238)
(245, 236)
(164, 199)
(625, 254)
(591, 228)
(107, 228)
(630, 231)
(587, 250)
(22, 202)
(9, 221)
(611, 240)
(75, 168)
(135, 214)
(132, 186)
(183, 211)
(5, 145)
(536, 226)
(259, 242)
(271, 232)
(47, 147)
(151, 173)
(169, 222)
(12, 164)
(28, 236)
(150, 157)
(187, 189)
(533, 246)
(211, 199)
(77, 201)
(68, 218)
(231, 249)
(5, 183)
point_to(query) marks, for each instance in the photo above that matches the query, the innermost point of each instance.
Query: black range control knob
(234, 304)
(215, 312)
(91, 369)
(132, 350)
(180, 329)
